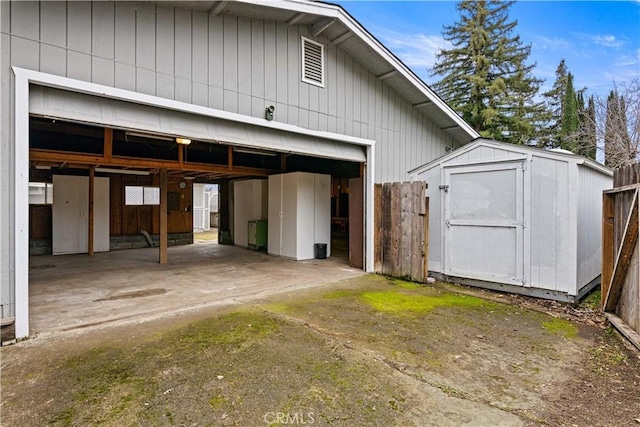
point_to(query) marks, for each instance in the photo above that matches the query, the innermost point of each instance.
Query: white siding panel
(165, 85)
(125, 33)
(183, 34)
(183, 89)
(216, 97)
(244, 57)
(257, 59)
(102, 71)
(53, 23)
(145, 40)
(199, 94)
(125, 76)
(281, 64)
(244, 104)
(78, 66)
(216, 57)
(145, 81)
(25, 53)
(293, 68)
(53, 60)
(270, 61)
(79, 26)
(200, 47)
(25, 19)
(230, 59)
(102, 37)
(165, 42)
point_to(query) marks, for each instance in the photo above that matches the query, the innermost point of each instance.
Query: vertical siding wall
(224, 62)
(592, 184)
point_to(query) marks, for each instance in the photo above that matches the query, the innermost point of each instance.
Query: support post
(108, 144)
(608, 252)
(163, 216)
(92, 192)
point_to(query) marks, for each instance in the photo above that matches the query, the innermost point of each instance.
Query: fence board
(399, 237)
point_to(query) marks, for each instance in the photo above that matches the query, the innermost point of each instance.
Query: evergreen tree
(485, 77)
(554, 100)
(586, 136)
(570, 117)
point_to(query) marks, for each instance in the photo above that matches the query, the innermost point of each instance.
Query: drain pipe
(147, 238)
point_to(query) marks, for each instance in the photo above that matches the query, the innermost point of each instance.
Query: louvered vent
(312, 62)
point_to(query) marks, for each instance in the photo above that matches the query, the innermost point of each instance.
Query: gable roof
(523, 149)
(334, 23)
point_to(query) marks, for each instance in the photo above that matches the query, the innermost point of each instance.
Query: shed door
(484, 222)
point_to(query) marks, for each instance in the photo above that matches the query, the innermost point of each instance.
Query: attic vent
(312, 62)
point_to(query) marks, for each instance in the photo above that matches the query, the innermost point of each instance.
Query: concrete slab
(69, 292)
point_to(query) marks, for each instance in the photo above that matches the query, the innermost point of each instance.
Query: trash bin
(320, 250)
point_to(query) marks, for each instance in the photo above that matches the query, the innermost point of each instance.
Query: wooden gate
(401, 222)
(620, 264)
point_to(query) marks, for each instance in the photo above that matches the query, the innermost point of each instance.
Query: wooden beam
(91, 216)
(217, 9)
(283, 163)
(108, 143)
(624, 329)
(608, 252)
(181, 155)
(388, 75)
(321, 25)
(230, 157)
(422, 104)
(623, 258)
(39, 155)
(629, 187)
(163, 256)
(425, 249)
(341, 39)
(295, 19)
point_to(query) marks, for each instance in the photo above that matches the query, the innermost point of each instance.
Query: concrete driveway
(77, 291)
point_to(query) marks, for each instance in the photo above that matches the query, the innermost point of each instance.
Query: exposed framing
(25, 77)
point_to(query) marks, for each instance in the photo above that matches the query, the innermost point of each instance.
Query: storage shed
(515, 218)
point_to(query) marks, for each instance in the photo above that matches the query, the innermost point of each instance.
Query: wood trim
(624, 329)
(40, 155)
(230, 157)
(181, 155)
(108, 143)
(623, 257)
(608, 211)
(624, 188)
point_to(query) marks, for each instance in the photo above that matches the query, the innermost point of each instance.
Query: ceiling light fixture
(183, 141)
(123, 171)
(251, 151)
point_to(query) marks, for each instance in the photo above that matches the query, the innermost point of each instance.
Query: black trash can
(320, 250)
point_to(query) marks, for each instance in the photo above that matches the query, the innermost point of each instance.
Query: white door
(200, 208)
(484, 222)
(70, 214)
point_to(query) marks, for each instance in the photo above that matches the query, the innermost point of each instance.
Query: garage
(106, 175)
(516, 218)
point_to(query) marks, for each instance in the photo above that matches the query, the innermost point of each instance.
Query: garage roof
(334, 23)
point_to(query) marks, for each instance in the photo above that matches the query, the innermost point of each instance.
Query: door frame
(523, 213)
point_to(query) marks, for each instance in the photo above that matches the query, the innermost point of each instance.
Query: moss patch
(398, 302)
(560, 327)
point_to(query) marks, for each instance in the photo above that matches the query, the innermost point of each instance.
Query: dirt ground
(363, 351)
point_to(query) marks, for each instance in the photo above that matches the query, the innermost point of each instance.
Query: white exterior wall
(563, 208)
(249, 203)
(589, 256)
(223, 62)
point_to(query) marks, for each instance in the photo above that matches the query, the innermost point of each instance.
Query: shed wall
(589, 250)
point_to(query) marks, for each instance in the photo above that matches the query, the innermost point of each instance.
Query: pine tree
(586, 136)
(550, 133)
(570, 117)
(485, 77)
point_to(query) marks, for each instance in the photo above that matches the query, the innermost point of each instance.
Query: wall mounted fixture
(183, 141)
(268, 114)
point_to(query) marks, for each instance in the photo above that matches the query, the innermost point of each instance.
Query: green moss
(342, 293)
(218, 402)
(592, 300)
(398, 302)
(560, 327)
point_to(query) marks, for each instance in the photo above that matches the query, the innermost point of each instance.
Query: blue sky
(600, 41)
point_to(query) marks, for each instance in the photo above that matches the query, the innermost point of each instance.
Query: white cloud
(418, 51)
(551, 43)
(607, 40)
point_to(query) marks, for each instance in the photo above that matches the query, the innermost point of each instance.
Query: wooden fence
(401, 221)
(620, 264)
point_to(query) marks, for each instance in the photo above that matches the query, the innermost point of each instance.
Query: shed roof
(334, 23)
(539, 152)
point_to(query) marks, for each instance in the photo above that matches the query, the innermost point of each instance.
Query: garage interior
(144, 175)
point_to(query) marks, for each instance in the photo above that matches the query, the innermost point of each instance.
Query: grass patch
(398, 302)
(592, 300)
(341, 293)
(560, 327)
